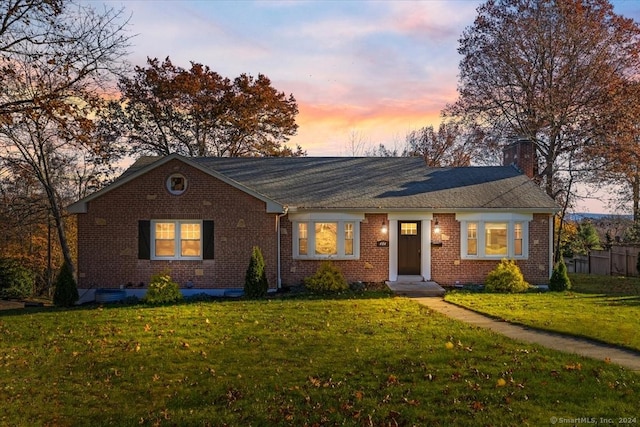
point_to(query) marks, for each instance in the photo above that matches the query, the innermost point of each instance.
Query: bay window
(494, 236)
(326, 236)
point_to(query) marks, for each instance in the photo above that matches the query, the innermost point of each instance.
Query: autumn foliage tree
(545, 70)
(197, 112)
(615, 155)
(56, 59)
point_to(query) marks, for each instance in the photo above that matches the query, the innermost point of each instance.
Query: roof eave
(80, 206)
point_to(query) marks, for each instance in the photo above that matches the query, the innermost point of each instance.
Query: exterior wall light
(384, 228)
(437, 238)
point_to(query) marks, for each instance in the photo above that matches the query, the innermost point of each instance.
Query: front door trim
(425, 250)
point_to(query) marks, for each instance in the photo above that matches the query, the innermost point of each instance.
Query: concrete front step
(416, 288)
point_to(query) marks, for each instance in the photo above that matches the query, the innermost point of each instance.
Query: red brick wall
(108, 232)
(373, 265)
(108, 239)
(447, 268)
(522, 153)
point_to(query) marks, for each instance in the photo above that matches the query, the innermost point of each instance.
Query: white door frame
(425, 245)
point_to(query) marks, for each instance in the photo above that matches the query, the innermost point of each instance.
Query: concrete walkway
(626, 358)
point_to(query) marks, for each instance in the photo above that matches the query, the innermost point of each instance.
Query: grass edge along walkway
(568, 344)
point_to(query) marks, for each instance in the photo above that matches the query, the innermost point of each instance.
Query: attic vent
(177, 184)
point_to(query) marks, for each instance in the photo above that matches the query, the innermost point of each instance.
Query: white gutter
(279, 273)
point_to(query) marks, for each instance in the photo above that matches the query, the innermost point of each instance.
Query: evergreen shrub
(16, 281)
(65, 293)
(559, 278)
(162, 290)
(255, 281)
(328, 278)
(506, 277)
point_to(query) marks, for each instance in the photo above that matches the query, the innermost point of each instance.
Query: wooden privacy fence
(617, 261)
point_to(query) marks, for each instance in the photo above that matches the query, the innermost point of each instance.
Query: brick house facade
(200, 218)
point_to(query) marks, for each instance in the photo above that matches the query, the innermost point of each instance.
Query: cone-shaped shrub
(559, 278)
(328, 278)
(506, 277)
(255, 280)
(66, 290)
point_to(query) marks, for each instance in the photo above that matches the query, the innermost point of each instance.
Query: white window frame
(311, 219)
(491, 218)
(170, 184)
(177, 249)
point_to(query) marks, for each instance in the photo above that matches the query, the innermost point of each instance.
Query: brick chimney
(522, 154)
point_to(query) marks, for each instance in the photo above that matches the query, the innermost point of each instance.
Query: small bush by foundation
(255, 281)
(506, 277)
(162, 290)
(328, 278)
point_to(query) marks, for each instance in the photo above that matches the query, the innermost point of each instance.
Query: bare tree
(545, 70)
(615, 158)
(57, 59)
(356, 144)
(448, 146)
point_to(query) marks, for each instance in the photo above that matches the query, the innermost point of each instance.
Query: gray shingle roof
(367, 183)
(381, 183)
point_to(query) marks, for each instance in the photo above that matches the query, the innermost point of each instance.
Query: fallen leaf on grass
(573, 367)
(477, 406)
(392, 379)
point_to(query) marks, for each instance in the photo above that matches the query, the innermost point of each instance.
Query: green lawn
(599, 307)
(349, 361)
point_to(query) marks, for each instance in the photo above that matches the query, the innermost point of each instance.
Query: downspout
(279, 278)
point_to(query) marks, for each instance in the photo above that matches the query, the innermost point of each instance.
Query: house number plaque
(383, 244)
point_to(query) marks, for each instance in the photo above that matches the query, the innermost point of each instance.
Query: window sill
(326, 258)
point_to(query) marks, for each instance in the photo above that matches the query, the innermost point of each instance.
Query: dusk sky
(377, 69)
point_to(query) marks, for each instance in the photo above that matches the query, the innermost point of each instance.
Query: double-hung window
(494, 236)
(176, 239)
(326, 236)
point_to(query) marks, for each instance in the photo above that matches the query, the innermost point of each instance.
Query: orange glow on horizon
(325, 130)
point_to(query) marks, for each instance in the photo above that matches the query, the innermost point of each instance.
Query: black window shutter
(207, 242)
(144, 239)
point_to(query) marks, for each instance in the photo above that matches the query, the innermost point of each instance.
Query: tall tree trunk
(636, 197)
